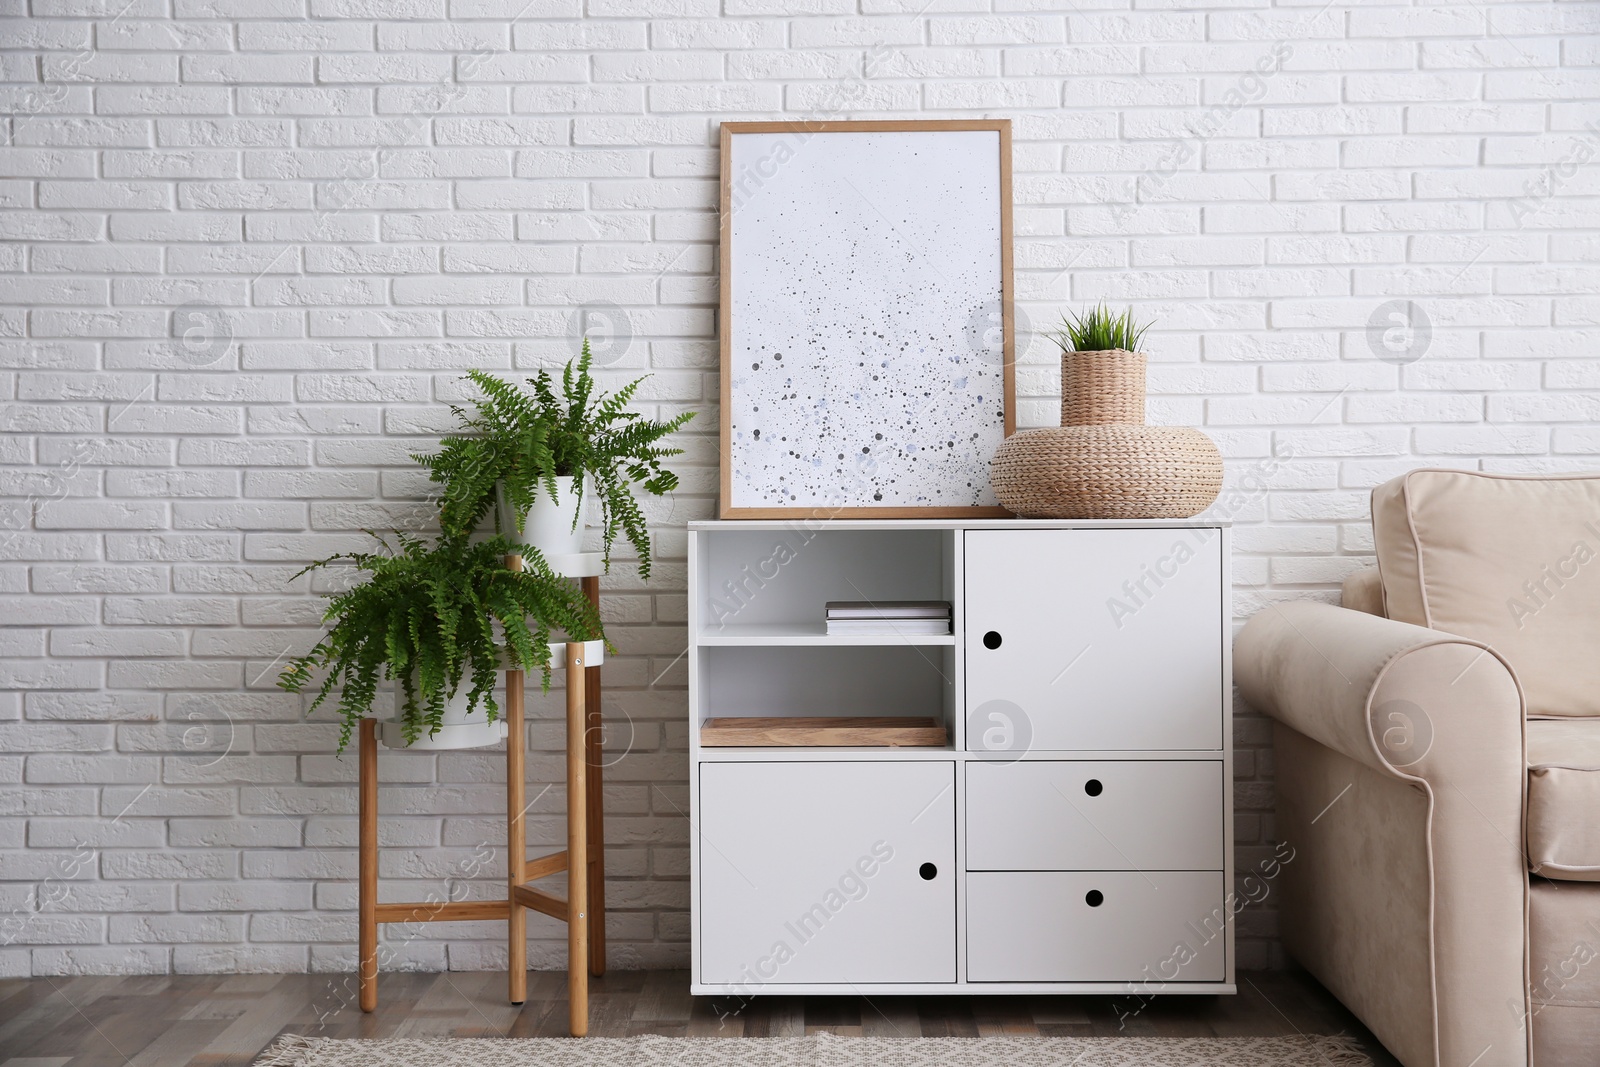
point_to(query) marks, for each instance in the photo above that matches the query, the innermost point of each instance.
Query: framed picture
(866, 317)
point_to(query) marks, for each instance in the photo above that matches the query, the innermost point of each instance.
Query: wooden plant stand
(583, 859)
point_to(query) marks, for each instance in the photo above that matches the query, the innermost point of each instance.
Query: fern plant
(526, 439)
(426, 616)
(1098, 330)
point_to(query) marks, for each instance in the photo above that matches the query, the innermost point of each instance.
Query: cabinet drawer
(1050, 815)
(1157, 926)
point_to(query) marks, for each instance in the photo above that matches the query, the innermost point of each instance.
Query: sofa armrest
(1321, 671)
(1432, 716)
(1363, 591)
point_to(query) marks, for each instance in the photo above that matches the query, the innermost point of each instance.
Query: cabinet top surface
(798, 523)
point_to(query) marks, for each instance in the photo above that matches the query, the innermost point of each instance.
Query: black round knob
(1093, 787)
(991, 639)
(1094, 898)
(928, 872)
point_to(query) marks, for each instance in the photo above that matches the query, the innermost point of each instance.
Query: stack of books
(889, 617)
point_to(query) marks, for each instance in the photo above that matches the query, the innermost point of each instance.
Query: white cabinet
(827, 872)
(1073, 835)
(1094, 639)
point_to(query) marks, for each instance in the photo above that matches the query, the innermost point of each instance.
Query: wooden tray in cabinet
(844, 731)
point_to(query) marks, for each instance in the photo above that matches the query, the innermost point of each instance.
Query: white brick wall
(348, 203)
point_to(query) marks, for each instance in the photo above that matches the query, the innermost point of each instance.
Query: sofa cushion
(1511, 561)
(1564, 799)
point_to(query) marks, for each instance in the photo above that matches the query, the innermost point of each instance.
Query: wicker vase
(1102, 388)
(1103, 462)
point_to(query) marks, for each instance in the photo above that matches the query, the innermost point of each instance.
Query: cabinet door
(1094, 639)
(827, 872)
(1096, 926)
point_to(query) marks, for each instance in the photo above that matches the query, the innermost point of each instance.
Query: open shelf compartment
(772, 586)
(775, 694)
(771, 676)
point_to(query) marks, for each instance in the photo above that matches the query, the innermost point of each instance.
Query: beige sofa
(1437, 748)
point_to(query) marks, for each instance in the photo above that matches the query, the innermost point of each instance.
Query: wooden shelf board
(831, 731)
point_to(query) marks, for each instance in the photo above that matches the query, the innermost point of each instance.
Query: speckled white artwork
(867, 366)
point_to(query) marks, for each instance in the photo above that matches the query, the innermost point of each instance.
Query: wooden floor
(214, 1021)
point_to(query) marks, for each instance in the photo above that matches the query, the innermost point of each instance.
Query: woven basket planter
(1103, 462)
(1098, 388)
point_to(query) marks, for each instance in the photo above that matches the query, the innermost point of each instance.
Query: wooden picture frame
(741, 186)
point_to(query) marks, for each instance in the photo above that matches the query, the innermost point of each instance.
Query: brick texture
(248, 248)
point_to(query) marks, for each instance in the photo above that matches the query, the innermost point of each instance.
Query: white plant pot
(554, 527)
(460, 729)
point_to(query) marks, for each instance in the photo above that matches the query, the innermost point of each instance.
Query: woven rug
(823, 1050)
